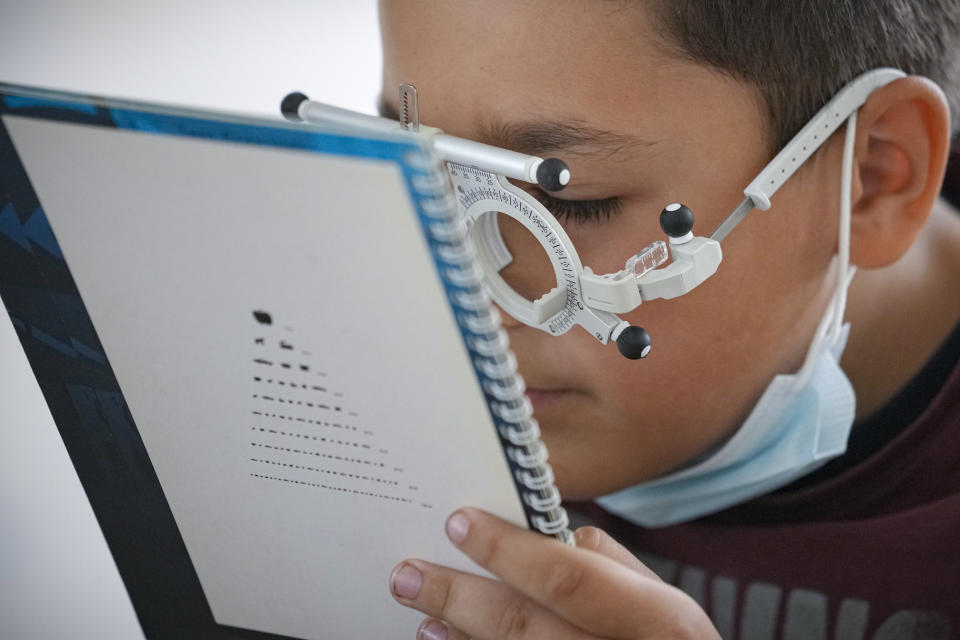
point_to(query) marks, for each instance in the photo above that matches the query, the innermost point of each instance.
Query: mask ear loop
(832, 322)
(846, 272)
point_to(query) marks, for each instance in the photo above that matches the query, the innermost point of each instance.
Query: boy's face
(647, 129)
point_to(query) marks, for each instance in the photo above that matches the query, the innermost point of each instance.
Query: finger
(433, 629)
(588, 589)
(478, 607)
(598, 540)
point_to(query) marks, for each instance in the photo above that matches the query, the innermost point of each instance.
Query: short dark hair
(798, 53)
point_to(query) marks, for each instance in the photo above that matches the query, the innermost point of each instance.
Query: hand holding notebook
(548, 590)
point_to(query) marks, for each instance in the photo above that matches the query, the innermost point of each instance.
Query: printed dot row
(320, 455)
(285, 365)
(287, 383)
(356, 476)
(341, 489)
(291, 434)
(319, 423)
(296, 402)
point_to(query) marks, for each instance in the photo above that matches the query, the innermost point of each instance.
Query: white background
(57, 578)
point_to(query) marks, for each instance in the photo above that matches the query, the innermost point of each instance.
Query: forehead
(480, 65)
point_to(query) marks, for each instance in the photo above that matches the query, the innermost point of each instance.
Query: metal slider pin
(409, 108)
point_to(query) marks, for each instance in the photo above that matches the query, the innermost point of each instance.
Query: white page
(174, 243)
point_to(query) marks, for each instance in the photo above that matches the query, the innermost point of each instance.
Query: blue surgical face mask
(801, 420)
(795, 427)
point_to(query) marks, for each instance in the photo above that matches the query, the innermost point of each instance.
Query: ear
(900, 154)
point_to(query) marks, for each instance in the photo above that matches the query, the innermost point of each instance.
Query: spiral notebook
(269, 354)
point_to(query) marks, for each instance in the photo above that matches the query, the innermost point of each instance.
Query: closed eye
(579, 210)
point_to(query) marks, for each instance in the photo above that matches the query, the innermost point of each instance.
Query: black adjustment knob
(553, 174)
(634, 342)
(290, 106)
(676, 220)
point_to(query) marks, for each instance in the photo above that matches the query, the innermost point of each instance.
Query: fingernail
(457, 527)
(433, 630)
(406, 580)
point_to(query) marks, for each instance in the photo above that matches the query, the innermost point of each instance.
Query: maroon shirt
(869, 549)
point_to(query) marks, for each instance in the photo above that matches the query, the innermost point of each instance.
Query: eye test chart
(301, 423)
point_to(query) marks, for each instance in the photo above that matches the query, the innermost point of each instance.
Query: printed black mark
(258, 341)
(302, 403)
(262, 361)
(333, 473)
(285, 345)
(320, 455)
(263, 317)
(319, 423)
(295, 385)
(323, 486)
(307, 436)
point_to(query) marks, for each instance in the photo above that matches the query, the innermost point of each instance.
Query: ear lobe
(901, 149)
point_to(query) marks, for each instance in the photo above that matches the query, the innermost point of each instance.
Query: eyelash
(580, 210)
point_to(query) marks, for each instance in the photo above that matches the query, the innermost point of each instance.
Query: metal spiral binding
(514, 410)
(472, 300)
(455, 253)
(507, 389)
(489, 348)
(529, 456)
(544, 499)
(466, 276)
(498, 367)
(527, 431)
(437, 206)
(537, 480)
(449, 231)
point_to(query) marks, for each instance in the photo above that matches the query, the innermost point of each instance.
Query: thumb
(597, 540)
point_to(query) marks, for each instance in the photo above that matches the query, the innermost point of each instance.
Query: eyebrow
(539, 137)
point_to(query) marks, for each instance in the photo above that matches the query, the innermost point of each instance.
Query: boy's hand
(548, 590)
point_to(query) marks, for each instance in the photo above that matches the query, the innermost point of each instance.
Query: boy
(663, 101)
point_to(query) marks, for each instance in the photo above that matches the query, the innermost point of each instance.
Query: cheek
(715, 348)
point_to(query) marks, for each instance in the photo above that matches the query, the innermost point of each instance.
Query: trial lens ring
(483, 196)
